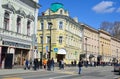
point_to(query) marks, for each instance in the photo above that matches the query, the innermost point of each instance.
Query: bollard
(119, 71)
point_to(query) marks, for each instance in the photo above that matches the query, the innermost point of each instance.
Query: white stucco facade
(18, 21)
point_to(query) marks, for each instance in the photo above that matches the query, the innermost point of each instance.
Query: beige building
(115, 49)
(105, 45)
(91, 44)
(61, 34)
(99, 45)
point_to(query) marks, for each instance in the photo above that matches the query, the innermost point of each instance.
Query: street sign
(55, 49)
(46, 48)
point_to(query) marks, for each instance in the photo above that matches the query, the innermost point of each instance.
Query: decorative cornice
(31, 3)
(21, 12)
(113, 38)
(104, 32)
(9, 6)
(31, 17)
(46, 17)
(89, 28)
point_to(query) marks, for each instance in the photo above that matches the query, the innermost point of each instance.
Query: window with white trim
(18, 24)
(48, 25)
(48, 39)
(6, 21)
(61, 12)
(28, 27)
(60, 25)
(42, 24)
(60, 39)
(41, 39)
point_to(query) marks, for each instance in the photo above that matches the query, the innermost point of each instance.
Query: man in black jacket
(80, 64)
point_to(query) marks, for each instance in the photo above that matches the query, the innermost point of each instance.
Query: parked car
(117, 68)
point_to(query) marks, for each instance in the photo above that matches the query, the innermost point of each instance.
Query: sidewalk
(20, 70)
(16, 71)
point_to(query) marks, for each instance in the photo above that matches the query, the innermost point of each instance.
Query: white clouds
(104, 7)
(118, 10)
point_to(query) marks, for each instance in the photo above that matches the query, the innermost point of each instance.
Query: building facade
(115, 49)
(100, 46)
(90, 43)
(17, 26)
(59, 36)
(105, 46)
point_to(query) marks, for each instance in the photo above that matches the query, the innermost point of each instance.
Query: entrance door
(3, 54)
(8, 61)
(60, 57)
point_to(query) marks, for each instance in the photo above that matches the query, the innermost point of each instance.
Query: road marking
(69, 72)
(12, 78)
(61, 76)
(116, 77)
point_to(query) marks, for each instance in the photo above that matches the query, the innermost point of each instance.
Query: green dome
(56, 6)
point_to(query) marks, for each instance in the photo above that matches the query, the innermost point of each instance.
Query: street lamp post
(50, 26)
(86, 48)
(117, 54)
(42, 41)
(102, 52)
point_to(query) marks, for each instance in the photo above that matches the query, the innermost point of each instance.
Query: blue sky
(90, 12)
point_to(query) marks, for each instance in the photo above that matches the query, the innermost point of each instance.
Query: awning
(82, 55)
(91, 56)
(61, 51)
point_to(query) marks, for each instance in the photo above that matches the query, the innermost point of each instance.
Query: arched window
(18, 24)
(61, 12)
(6, 21)
(60, 25)
(28, 27)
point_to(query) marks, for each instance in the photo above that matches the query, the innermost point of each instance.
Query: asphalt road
(68, 73)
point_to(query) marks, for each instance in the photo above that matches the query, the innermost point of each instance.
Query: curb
(23, 72)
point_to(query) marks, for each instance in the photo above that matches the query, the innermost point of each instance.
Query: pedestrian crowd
(47, 64)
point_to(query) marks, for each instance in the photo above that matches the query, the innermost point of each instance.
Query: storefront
(13, 52)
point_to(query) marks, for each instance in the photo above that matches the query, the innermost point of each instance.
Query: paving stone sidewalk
(16, 71)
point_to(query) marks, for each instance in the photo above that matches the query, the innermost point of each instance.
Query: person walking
(40, 63)
(35, 64)
(52, 64)
(80, 65)
(45, 63)
(62, 64)
(26, 64)
(48, 64)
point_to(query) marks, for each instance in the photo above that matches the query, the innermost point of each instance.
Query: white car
(117, 68)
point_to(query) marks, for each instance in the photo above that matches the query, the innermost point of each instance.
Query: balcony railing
(14, 36)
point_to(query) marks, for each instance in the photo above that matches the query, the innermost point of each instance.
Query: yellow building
(61, 34)
(115, 49)
(91, 45)
(105, 45)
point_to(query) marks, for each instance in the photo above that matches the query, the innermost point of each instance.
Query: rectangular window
(60, 25)
(6, 24)
(60, 39)
(18, 24)
(41, 39)
(42, 24)
(28, 30)
(28, 27)
(48, 39)
(6, 21)
(48, 25)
